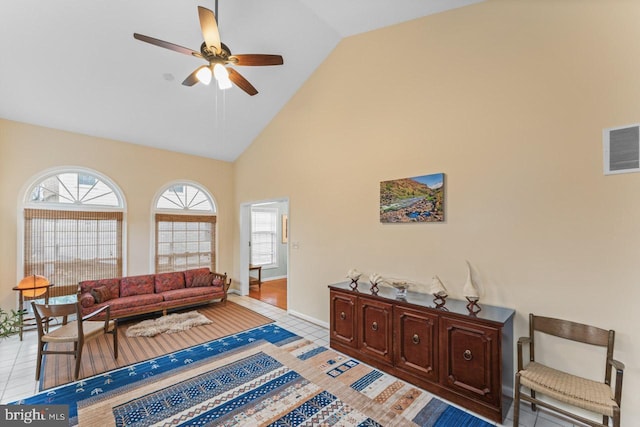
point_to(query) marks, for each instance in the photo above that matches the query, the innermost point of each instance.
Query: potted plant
(10, 322)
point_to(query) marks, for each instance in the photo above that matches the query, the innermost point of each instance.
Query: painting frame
(285, 228)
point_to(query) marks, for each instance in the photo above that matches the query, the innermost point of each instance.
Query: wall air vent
(621, 147)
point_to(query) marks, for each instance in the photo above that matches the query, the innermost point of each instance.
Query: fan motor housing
(211, 55)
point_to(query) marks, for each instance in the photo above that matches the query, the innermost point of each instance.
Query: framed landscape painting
(417, 199)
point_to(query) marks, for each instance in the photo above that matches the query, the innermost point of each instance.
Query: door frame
(245, 238)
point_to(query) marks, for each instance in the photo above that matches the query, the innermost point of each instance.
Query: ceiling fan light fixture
(204, 75)
(224, 84)
(221, 74)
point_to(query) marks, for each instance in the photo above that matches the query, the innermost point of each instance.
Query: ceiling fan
(217, 54)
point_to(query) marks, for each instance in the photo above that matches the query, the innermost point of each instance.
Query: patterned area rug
(266, 376)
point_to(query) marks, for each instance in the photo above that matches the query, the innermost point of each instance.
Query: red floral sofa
(133, 295)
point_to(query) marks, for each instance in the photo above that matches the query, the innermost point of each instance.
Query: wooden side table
(255, 280)
(31, 287)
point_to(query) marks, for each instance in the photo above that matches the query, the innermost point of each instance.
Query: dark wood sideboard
(460, 357)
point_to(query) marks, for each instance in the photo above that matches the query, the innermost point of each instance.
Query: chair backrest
(44, 311)
(572, 331)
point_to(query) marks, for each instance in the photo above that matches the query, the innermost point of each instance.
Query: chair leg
(78, 359)
(39, 362)
(516, 401)
(115, 340)
(616, 417)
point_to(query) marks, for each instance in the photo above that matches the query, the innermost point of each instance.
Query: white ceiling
(74, 64)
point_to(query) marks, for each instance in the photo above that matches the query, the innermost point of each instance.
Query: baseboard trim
(268, 279)
(309, 319)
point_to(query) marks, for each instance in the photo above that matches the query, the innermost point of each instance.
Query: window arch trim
(189, 199)
(36, 181)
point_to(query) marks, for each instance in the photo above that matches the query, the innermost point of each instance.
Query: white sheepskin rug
(169, 324)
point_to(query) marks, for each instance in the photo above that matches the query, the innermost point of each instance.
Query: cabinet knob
(467, 355)
(374, 326)
(343, 315)
(415, 339)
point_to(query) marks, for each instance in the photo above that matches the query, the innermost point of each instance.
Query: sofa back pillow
(112, 284)
(201, 280)
(101, 294)
(169, 281)
(136, 285)
(190, 274)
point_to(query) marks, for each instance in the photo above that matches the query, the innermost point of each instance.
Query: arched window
(185, 228)
(73, 222)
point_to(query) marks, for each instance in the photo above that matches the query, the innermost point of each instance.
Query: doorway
(264, 257)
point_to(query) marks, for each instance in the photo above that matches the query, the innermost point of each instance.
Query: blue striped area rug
(265, 376)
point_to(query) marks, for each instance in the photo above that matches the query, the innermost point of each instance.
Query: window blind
(70, 246)
(184, 242)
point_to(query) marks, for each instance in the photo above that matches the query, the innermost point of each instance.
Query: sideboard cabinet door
(343, 318)
(374, 331)
(416, 342)
(470, 359)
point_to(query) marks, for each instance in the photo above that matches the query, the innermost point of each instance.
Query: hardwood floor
(273, 292)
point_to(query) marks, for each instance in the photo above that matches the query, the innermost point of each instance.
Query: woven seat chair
(76, 331)
(594, 396)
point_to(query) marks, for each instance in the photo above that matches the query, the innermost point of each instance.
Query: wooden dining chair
(595, 396)
(77, 331)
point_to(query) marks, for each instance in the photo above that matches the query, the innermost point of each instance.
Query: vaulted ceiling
(74, 64)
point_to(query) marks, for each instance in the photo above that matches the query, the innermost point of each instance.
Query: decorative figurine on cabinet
(354, 275)
(375, 279)
(470, 292)
(439, 292)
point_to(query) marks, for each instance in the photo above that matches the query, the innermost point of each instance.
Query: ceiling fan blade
(166, 45)
(257, 59)
(191, 78)
(241, 82)
(209, 28)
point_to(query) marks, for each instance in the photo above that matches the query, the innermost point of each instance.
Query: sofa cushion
(169, 281)
(135, 302)
(190, 274)
(186, 293)
(101, 294)
(136, 285)
(112, 284)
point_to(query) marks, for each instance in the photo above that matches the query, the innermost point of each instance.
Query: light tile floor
(18, 361)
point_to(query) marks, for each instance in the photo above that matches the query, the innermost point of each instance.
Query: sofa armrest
(218, 279)
(222, 282)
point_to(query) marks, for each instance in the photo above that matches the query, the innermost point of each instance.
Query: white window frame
(187, 203)
(274, 213)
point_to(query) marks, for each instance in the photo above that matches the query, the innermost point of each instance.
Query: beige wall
(140, 172)
(508, 99)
